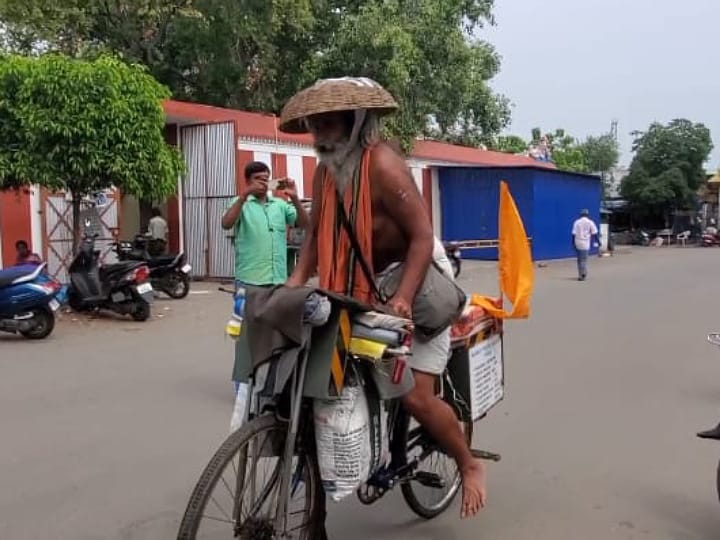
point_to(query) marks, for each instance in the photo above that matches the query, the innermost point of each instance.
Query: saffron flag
(517, 273)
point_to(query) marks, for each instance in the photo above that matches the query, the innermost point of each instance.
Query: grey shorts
(432, 356)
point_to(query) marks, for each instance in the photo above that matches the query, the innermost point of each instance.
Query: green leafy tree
(140, 30)
(255, 54)
(82, 127)
(602, 154)
(668, 168)
(510, 144)
(568, 155)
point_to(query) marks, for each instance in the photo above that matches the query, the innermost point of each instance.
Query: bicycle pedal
(428, 479)
(367, 494)
(487, 456)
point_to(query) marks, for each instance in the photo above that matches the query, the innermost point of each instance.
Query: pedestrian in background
(158, 231)
(584, 232)
(24, 255)
(260, 221)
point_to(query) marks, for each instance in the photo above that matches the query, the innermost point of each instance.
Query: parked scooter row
(29, 297)
(168, 273)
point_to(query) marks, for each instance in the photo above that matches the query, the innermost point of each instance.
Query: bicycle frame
(297, 383)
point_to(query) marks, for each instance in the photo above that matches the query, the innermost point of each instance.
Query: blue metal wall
(559, 197)
(548, 200)
(470, 200)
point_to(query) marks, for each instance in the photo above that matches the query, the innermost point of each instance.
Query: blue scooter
(27, 301)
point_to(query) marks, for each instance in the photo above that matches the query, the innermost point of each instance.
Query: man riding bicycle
(391, 225)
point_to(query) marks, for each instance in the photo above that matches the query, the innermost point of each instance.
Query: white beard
(343, 162)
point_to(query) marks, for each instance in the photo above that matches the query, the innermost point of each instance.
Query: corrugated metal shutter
(208, 188)
(222, 253)
(195, 212)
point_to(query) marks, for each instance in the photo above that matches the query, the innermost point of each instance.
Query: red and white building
(217, 144)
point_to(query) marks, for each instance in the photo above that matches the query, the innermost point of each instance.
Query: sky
(579, 64)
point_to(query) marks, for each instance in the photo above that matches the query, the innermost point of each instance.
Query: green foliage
(597, 154)
(255, 54)
(569, 155)
(510, 144)
(565, 150)
(668, 167)
(601, 153)
(83, 126)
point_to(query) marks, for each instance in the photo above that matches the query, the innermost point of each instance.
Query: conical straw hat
(328, 95)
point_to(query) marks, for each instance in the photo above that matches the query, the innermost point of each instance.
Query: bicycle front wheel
(237, 494)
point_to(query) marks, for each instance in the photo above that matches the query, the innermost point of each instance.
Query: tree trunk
(77, 229)
(145, 214)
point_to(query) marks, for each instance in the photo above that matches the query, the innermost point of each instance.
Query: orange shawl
(338, 268)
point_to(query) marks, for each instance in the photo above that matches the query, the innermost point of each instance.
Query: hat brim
(334, 95)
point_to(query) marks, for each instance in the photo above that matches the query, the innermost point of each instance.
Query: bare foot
(474, 494)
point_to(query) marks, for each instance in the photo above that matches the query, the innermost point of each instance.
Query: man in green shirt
(260, 221)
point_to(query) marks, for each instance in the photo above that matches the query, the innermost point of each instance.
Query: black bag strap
(369, 275)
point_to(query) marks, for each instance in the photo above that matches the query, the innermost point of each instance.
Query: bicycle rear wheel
(237, 494)
(426, 501)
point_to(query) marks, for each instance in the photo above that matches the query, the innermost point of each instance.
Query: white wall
(271, 148)
(36, 217)
(266, 158)
(295, 171)
(436, 203)
(417, 174)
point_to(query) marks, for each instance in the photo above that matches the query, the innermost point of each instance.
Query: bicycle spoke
(222, 510)
(230, 491)
(266, 494)
(213, 518)
(255, 460)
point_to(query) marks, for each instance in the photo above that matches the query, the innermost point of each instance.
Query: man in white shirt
(158, 230)
(584, 231)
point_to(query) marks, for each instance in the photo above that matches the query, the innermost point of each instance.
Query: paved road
(105, 427)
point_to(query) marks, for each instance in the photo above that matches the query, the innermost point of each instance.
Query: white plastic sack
(342, 435)
(238, 414)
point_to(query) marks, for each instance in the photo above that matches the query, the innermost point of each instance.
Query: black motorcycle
(641, 238)
(452, 251)
(168, 273)
(714, 433)
(123, 287)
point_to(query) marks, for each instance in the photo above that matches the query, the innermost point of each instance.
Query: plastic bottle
(238, 415)
(233, 328)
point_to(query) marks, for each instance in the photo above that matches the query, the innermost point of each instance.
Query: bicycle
(289, 501)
